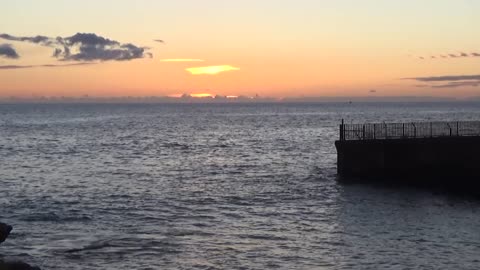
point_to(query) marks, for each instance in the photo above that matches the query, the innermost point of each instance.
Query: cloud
(445, 78)
(458, 84)
(159, 40)
(6, 50)
(182, 60)
(44, 66)
(42, 40)
(211, 70)
(450, 81)
(451, 55)
(86, 47)
(14, 67)
(90, 47)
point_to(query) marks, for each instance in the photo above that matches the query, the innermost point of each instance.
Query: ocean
(218, 186)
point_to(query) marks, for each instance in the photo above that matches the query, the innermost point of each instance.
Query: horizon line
(228, 99)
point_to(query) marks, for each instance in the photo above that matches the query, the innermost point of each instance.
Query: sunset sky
(275, 48)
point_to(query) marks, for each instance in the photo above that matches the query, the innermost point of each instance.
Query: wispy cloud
(159, 41)
(449, 81)
(445, 78)
(86, 47)
(182, 60)
(211, 70)
(43, 66)
(6, 50)
(458, 84)
(42, 40)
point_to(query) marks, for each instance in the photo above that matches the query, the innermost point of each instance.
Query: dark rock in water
(16, 266)
(4, 232)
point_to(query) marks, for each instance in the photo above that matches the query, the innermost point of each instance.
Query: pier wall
(452, 158)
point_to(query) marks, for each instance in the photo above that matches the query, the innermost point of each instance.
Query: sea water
(217, 186)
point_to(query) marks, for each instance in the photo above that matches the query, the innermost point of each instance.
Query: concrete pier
(440, 152)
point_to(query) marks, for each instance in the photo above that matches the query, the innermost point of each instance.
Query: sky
(271, 48)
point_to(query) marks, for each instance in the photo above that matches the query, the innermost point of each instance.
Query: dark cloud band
(44, 66)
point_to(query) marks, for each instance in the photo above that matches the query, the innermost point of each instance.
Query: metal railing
(384, 131)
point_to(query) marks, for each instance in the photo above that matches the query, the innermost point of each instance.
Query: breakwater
(425, 152)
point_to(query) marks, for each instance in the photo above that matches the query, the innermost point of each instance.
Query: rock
(4, 232)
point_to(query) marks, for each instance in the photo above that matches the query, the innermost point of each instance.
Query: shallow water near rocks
(217, 186)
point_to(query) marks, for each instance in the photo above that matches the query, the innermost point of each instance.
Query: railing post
(431, 129)
(450, 128)
(374, 131)
(363, 132)
(386, 130)
(403, 130)
(458, 134)
(414, 130)
(342, 131)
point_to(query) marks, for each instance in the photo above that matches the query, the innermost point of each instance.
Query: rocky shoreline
(6, 265)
